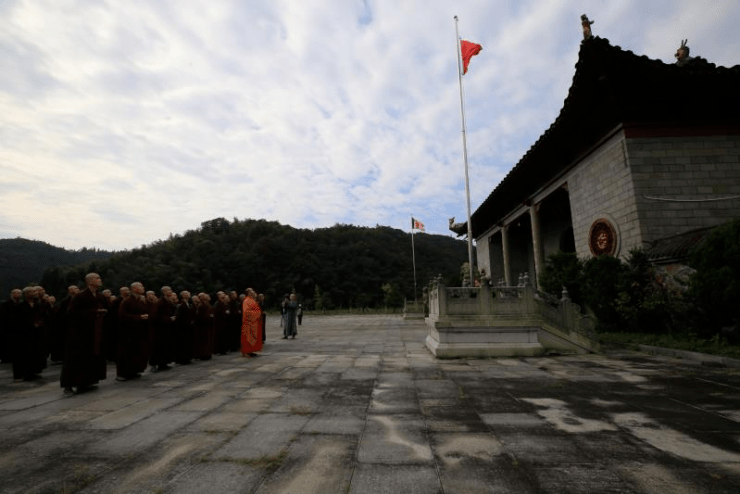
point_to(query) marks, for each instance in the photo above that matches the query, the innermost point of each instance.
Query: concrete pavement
(359, 405)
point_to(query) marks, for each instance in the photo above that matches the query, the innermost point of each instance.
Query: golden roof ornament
(586, 24)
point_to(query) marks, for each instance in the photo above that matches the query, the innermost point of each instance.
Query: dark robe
(204, 332)
(235, 325)
(184, 331)
(132, 342)
(264, 319)
(163, 326)
(46, 313)
(29, 345)
(110, 326)
(290, 328)
(222, 333)
(84, 360)
(58, 331)
(8, 328)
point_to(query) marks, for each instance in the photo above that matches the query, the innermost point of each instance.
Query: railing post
(484, 296)
(441, 297)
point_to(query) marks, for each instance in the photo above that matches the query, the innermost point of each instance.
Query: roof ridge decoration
(682, 54)
(586, 25)
(683, 58)
(612, 87)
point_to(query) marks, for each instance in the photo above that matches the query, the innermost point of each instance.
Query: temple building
(642, 152)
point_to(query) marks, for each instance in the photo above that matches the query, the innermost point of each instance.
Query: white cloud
(124, 122)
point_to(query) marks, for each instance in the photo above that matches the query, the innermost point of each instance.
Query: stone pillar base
(413, 310)
(413, 315)
(472, 350)
(460, 341)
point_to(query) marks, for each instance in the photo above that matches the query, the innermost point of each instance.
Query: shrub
(563, 270)
(603, 280)
(642, 304)
(622, 295)
(715, 287)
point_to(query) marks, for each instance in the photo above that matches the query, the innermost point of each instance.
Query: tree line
(23, 261)
(343, 266)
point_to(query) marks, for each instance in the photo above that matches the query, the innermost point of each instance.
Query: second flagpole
(465, 154)
(413, 255)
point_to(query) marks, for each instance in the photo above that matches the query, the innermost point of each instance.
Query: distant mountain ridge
(340, 266)
(24, 261)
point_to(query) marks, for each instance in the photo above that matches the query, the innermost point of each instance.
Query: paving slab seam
(701, 409)
(512, 457)
(283, 451)
(633, 403)
(427, 434)
(355, 456)
(618, 422)
(734, 388)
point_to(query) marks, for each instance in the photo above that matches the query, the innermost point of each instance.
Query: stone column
(441, 298)
(507, 258)
(539, 258)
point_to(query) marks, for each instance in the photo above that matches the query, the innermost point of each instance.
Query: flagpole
(465, 153)
(413, 255)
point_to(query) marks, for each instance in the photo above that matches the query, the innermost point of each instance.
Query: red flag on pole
(468, 50)
(416, 224)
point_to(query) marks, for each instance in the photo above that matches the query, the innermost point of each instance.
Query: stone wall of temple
(601, 187)
(482, 254)
(646, 188)
(673, 177)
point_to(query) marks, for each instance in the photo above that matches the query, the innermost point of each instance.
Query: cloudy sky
(123, 122)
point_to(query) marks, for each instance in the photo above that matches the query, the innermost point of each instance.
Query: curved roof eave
(610, 87)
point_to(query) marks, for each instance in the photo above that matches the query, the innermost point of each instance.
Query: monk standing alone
(251, 325)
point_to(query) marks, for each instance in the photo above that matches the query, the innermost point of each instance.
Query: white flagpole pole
(413, 255)
(465, 153)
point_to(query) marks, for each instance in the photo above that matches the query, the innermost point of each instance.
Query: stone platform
(413, 309)
(357, 404)
(485, 321)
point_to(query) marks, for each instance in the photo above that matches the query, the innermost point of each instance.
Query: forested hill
(342, 266)
(24, 261)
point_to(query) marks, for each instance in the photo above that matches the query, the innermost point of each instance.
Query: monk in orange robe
(251, 325)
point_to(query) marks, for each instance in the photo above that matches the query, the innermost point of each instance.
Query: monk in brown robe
(111, 323)
(204, 328)
(133, 335)
(163, 326)
(235, 321)
(58, 335)
(9, 323)
(184, 325)
(222, 312)
(28, 339)
(84, 360)
(261, 303)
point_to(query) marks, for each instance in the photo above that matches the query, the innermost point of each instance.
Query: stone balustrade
(504, 321)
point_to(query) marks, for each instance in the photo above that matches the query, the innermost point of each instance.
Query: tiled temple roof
(676, 248)
(615, 89)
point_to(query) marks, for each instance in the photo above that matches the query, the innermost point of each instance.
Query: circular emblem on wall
(602, 238)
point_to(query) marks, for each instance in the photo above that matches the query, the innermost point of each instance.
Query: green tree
(715, 287)
(642, 304)
(602, 283)
(392, 296)
(563, 269)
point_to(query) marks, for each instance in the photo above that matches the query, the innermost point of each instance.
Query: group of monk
(90, 327)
